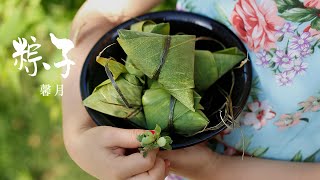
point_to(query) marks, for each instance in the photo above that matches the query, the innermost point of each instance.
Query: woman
(101, 151)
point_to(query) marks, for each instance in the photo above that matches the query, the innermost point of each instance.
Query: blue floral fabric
(282, 116)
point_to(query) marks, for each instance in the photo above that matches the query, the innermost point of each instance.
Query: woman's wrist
(210, 168)
(212, 171)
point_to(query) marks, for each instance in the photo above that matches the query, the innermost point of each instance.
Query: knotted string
(172, 105)
(116, 87)
(163, 57)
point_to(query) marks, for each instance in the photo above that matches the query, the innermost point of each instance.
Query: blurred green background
(31, 144)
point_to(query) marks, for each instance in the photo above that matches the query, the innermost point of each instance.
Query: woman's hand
(101, 151)
(195, 162)
(199, 162)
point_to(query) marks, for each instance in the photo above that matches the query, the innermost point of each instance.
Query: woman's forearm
(260, 169)
(93, 19)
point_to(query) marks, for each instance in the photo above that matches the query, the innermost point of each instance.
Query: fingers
(113, 13)
(117, 137)
(180, 157)
(173, 155)
(167, 162)
(136, 163)
(158, 172)
(130, 8)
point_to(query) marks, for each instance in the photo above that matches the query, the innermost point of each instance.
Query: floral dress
(282, 116)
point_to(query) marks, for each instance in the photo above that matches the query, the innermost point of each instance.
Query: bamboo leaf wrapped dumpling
(106, 98)
(151, 27)
(168, 59)
(209, 67)
(145, 26)
(159, 109)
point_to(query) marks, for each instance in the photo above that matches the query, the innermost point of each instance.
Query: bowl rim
(166, 16)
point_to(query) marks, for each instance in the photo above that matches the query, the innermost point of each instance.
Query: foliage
(30, 125)
(31, 145)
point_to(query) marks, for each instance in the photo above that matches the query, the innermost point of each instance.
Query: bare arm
(100, 151)
(94, 19)
(254, 168)
(199, 162)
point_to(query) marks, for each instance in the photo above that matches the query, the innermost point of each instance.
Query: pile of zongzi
(161, 80)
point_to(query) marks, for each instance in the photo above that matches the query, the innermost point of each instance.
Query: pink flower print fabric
(256, 23)
(282, 116)
(312, 3)
(258, 115)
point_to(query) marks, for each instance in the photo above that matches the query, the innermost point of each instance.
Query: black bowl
(180, 22)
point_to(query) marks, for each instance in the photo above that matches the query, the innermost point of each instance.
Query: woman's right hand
(101, 151)
(195, 162)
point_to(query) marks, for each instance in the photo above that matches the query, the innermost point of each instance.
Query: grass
(31, 145)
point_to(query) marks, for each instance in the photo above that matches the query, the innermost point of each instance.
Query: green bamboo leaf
(177, 73)
(132, 69)
(161, 28)
(299, 15)
(115, 67)
(145, 26)
(315, 24)
(139, 26)
(205, 72)
(297, 157)
(284, 5)
(185, 121)
(209, 67)
(106, 98)
(151, 27)
(227, 58)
